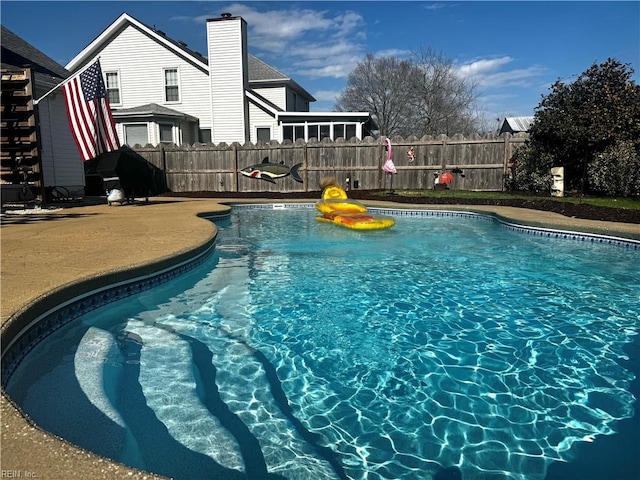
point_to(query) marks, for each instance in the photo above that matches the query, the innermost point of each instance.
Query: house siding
(295, 102)
(61, 163)
(142, 75)
(260, 118)
(189, 134)
(228, 74)
(276, 95)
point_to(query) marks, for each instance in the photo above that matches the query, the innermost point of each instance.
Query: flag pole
(66, 80)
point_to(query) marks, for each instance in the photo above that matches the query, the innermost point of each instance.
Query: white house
(161, 91)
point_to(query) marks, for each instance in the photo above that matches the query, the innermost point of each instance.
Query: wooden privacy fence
(216, 168)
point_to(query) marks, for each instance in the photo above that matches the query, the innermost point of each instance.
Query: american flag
(89, 113)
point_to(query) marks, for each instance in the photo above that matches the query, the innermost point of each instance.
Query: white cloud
(335, 71)
(481, 67)
(523, 77)
(281, 27)
(326, 95)
(491, 73)
(326, 53)
(334, 60)
(318, 43)
(349, 22)
(503, 89)
(436, 6)
(393, 52)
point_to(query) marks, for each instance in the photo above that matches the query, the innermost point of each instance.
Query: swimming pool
(446, 344)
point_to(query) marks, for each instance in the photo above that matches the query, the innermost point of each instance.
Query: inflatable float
(336, 208)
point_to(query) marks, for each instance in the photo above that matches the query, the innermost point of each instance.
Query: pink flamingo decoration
(388, 166)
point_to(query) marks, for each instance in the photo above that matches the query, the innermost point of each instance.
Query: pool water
(445, 347)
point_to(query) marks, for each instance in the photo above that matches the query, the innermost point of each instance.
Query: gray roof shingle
(17, 53)
(260, 71)
(151, 109)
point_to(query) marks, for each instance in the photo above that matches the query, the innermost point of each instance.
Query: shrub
(533, 171)
(616, 171)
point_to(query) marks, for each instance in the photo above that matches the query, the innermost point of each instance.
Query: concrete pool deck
(50, 254)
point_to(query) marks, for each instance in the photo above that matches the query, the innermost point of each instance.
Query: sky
(512, 50)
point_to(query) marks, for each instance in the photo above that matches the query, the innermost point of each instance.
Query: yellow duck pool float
(336, 208)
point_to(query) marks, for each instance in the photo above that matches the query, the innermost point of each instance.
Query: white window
(287, 132)
(319, 131)
(171, 85)
(136, 134)
(204, 135)
(312, 132)
(263, 134)
(113, 87)
(166, 133)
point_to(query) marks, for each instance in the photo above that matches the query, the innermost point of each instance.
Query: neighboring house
(161, 91)
(516, 125)
(56, 148)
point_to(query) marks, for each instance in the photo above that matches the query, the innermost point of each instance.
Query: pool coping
(64, 460)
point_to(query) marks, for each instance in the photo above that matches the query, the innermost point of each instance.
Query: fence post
(507, 156)
(163, 160)
(305, 167)
(236, 177)
(380, 162)
(445, 155)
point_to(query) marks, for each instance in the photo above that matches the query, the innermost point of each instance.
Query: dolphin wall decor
(270, 171)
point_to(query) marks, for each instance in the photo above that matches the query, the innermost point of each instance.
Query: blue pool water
(443, 348)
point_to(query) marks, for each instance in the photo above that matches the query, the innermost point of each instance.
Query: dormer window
(171, 85)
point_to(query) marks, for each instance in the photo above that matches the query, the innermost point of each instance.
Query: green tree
(578, 121)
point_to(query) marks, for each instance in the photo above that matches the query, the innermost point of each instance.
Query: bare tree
(380, 86)
(423, 95)
(445, 102)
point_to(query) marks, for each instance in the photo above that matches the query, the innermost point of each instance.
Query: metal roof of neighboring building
(519, 124)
